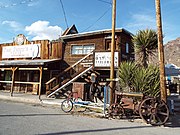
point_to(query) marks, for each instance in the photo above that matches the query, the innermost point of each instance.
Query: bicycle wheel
(67, 105)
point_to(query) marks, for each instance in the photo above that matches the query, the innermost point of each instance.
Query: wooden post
(13, 80)
(40, 81)
(112, 51)
(161, 52)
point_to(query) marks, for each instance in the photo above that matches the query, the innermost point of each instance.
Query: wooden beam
(2, 69)
(40, 81)
(13, 79)
(5, 81)
(18, 82)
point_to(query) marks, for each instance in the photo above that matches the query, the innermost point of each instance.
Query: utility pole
(112, 51)
(161, 51)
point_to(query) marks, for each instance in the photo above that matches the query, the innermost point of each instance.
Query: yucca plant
(126, 74)
(153, 81)
(145, 45)
(135, 78)
(146, 80)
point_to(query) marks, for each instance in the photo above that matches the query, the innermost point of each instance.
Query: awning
(37, 62)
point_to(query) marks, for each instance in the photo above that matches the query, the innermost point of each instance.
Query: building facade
(43, 66)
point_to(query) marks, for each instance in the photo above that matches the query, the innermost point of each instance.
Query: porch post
(40, 81)
(13, 79)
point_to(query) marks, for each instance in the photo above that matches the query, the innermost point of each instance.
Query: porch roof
(37, 62)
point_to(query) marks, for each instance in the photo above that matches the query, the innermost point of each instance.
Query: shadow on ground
(174, 121)
(95, 130)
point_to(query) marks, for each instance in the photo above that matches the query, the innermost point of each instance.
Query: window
(82, 49)
(127, 48)
(108, 44)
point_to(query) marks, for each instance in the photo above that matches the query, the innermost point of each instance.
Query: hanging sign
(103, 59)
(22, 51)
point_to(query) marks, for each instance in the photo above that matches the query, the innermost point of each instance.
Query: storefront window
(8, 75)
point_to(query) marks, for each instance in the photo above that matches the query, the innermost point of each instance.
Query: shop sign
(22, 51)
(103, 59)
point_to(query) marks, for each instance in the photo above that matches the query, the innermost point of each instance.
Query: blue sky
(44, 19)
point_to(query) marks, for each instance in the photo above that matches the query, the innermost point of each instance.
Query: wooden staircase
(79, 69)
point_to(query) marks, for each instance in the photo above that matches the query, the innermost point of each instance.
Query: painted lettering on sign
(23, 51)
(103, 59)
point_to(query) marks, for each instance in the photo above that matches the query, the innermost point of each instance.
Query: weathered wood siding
(49, 50)
(99, 41)
(124, 38)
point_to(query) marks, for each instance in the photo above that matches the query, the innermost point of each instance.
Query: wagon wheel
(153, 111)
(116, 111)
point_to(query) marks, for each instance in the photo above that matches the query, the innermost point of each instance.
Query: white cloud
(141, 21)
(42, 30)
(13, 24)
(32, 3)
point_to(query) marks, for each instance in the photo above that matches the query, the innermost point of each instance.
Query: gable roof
(71, 30)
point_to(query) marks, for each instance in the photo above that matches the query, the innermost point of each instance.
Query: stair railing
(68, 73)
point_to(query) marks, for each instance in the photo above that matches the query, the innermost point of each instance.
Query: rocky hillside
(172, 52)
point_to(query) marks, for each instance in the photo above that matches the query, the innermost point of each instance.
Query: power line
(97, 19)
(64, 13)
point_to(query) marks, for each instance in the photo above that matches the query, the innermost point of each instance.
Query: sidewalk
(29, 98)
(34, 99)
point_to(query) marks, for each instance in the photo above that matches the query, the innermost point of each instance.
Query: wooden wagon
(152, 110)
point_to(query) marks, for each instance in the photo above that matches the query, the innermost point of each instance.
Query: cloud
(141, 21)
(13, 24)
(42, 30)
(32, 3)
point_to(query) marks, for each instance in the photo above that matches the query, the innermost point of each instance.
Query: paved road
(31, 119)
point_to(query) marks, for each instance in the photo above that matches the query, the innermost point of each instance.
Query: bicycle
(71, 101)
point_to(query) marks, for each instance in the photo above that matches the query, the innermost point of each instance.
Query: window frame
(127, 47)
(82, 48)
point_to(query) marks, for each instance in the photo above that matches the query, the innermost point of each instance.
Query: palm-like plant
(135, 78)
(147, 81)
(125, 73)
(145, 44)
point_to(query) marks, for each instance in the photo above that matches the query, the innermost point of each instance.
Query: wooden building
(26, 65)
(44, 66)
(89, 52)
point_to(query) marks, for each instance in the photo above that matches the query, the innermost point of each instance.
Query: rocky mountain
(172, 52)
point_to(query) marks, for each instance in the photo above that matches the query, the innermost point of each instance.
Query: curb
(30, 101)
